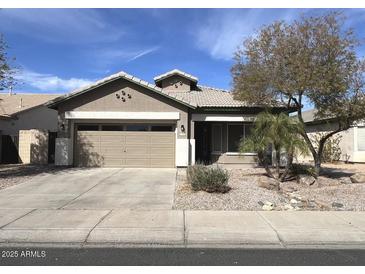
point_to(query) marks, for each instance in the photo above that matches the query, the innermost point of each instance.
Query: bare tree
(312, 58)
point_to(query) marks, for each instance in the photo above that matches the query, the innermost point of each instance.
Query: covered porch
(217, 138)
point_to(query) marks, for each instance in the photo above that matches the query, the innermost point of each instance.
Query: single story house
(352, 141)
(22, 112)
(123, 121)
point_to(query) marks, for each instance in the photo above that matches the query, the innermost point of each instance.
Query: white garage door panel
(125, 149)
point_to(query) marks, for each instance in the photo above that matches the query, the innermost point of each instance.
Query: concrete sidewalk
(183, 228)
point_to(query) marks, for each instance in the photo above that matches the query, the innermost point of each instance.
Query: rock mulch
(244, 195)
(325, 193)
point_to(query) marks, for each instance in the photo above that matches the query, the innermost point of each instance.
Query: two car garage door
(125, 148)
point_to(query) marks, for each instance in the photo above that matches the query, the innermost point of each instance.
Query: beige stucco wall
(105, 99)
(33, 146)
(234, 159)
(358, 156)
(36, 118)
(176, 83)
(347, 143)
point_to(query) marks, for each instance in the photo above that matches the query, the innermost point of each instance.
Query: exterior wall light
(182, 128)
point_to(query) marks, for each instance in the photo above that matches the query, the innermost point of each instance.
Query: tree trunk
(277, 156)
(317, 155)
(318, 158)
(263, 162)
(287, 168)
(317, 165)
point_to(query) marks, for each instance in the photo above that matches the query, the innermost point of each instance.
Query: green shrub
(209, 179)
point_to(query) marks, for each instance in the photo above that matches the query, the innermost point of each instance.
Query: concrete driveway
(97, 188)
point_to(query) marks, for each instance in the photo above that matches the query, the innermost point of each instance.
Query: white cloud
(224, 30)
(50, 83)
(60, 25)
(107, 56)
(143, 53)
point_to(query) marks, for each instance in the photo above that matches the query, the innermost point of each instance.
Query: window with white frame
(235, 132)
(361, 138)
(217, 138)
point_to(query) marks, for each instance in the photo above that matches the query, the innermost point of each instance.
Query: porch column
(192, 131)
(192, 143)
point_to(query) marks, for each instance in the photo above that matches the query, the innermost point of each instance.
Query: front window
(217, 138)
(161, 128)
(235, 133)
(87, 127)
(137, 128)
(112, 128)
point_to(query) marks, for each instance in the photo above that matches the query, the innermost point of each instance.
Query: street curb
(193, 246)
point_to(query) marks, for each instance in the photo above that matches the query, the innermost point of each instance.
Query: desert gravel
(247, 195)
(244, 195)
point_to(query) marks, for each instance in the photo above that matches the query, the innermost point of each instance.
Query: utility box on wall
(33, 146)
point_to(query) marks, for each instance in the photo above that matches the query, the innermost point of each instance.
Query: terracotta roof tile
(210, 97)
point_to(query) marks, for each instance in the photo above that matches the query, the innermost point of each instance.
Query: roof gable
(119, 75)
(175, 72)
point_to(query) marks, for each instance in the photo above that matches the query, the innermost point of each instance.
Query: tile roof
(12, 104)
(175, 72)
(202, 97)
(310, 116)
(210, 97)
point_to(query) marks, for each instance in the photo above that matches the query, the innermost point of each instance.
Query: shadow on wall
(39, 148)
(9, 149)
(88, 151)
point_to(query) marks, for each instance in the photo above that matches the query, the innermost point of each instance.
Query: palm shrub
(209, 179)
(279, 132)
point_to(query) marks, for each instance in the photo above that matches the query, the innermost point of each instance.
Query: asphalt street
(178, 256)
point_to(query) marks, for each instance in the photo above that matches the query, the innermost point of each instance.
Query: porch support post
(191, 142)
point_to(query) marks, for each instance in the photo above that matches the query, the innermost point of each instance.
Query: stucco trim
(222, 118)
(122, 115)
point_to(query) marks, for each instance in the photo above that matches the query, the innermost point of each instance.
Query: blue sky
(62, 49)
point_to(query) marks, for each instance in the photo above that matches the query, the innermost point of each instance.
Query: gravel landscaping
(333, 191)
(17, 173)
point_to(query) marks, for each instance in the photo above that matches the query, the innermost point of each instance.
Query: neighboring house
(123, 121)
(22, 112)
(352, 142)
